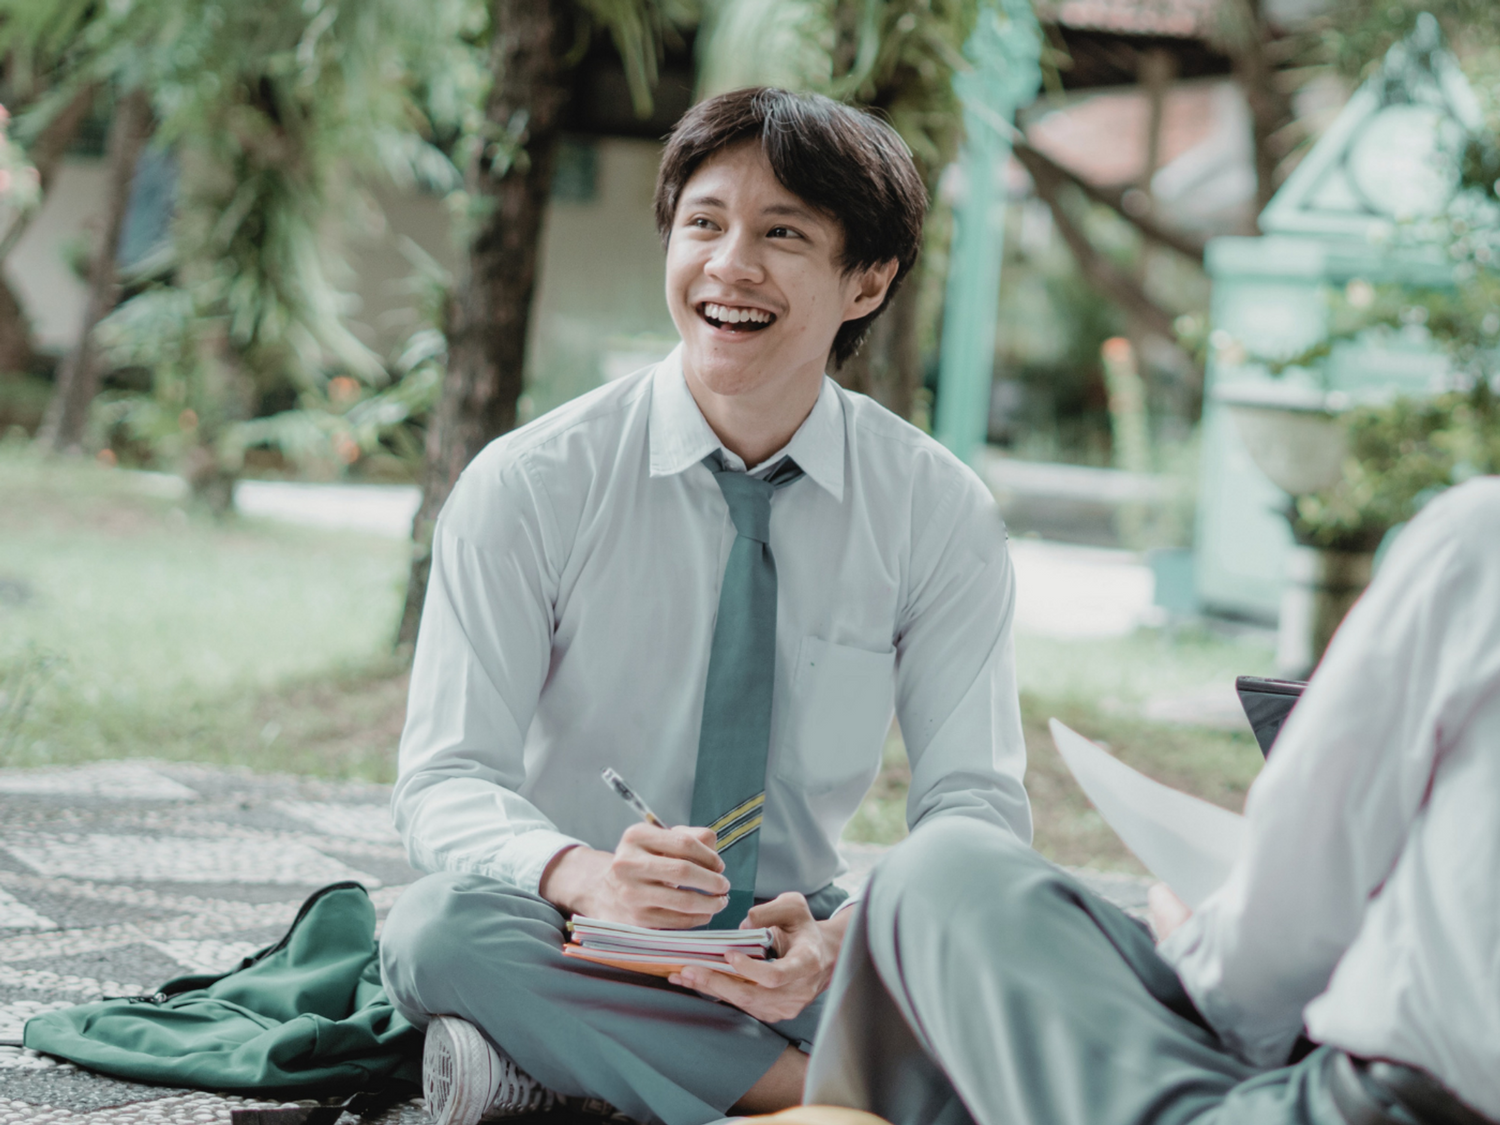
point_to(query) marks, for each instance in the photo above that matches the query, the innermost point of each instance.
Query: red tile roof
(1102, 137)
(1178, 19)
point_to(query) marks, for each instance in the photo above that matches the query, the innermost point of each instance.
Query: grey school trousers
(467, 945)
(978, 983)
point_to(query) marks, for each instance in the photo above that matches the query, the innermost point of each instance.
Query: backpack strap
(365, 1104)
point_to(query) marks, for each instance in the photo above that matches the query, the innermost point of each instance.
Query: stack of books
(662, 952)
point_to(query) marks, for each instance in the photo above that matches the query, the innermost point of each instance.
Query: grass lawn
(143, 630)
(1216, 765)
(134, 628)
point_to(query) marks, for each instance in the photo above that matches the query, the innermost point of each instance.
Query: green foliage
(786, 43)
(276, 113)
(269, 107)
(188, 411)
(1401, 453)
(341, 421)
(897, 56)
(486, 149)
(1352, 36)
(638, 28)
(20, 186)
(905, 57)
(1404, 451)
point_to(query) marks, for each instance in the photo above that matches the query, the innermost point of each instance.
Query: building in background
(1337, 220)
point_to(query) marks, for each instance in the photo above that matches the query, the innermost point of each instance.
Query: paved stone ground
(119, 876)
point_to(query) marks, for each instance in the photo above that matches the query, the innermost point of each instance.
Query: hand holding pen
(666, 878)
(623, 790)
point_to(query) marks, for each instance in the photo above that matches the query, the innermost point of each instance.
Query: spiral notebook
(662, 952)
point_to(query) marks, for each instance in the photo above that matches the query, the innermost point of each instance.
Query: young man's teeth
(727, 315)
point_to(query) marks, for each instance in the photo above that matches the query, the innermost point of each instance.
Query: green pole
(1005, 50)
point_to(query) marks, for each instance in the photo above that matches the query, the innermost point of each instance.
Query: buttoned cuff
(525, 857)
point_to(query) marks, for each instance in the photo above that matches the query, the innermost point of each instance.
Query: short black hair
(842, 161)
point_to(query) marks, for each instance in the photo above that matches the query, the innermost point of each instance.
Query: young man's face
(754, 281)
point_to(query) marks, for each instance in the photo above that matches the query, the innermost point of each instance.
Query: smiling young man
(717, 577)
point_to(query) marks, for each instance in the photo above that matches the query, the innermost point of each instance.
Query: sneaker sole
(457, 1082)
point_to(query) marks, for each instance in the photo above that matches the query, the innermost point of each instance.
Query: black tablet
(1267, 703)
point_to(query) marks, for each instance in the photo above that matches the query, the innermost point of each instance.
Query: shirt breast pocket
(837, 717)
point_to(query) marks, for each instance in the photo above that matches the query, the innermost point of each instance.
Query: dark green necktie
(729, 787)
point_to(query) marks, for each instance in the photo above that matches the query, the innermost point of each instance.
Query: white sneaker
(465, 1080)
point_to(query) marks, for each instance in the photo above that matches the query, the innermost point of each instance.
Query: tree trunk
(78, 378)
(1155, 70)
(227, 396)
(1245, 36)
(17, 348)
(489, 312)
(889, 366)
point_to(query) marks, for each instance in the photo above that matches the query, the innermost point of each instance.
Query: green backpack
(304, 1018)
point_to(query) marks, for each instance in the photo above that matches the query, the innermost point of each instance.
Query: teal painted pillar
(1005, 50)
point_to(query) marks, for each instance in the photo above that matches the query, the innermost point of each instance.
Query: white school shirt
(575, 582)
(1367, 900)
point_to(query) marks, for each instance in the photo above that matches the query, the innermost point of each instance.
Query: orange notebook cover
(664, 967)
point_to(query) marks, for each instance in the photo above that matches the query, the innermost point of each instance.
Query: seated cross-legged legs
(980, 982)
(981, 978)
(472, 947)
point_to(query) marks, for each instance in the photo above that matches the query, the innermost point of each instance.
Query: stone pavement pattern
(118, 876)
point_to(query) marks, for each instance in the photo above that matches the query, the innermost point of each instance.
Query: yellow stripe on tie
(730, 832)
(738, 811)
(741, 832)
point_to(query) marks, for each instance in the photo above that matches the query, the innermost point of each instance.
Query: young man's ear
(869, 290)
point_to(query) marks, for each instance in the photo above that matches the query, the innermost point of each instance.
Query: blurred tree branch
(1036, 161)
(46, 152)
(17, 347)
(1110, 279)
(1244, 33)
(78, 377)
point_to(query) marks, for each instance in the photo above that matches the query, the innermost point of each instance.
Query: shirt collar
(680, 437)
